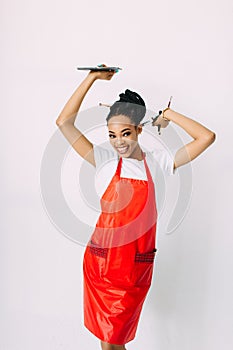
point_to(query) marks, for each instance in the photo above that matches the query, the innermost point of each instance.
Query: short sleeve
(166, 159)
(106, 162)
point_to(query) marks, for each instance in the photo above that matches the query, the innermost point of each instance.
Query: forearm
(192, 127)
(71, 108)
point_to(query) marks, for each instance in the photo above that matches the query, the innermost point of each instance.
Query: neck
(137, 153)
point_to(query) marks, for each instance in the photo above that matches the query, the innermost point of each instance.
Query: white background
(180, 48)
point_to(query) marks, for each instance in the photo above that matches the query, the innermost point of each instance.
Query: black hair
(131, 105)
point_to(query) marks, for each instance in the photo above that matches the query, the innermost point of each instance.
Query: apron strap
(148, 174)
(118, 170)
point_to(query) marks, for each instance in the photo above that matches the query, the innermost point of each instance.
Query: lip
(122, 150)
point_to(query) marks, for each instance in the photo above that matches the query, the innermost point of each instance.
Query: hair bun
(133, 107)
(132, 97)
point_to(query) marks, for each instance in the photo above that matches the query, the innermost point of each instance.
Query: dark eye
(111, 136)
(127, 133)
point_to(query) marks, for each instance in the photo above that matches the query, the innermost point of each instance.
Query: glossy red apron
(118, 260)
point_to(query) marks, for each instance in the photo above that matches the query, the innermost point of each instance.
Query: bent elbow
(65, 121)
(212, 137)
(58, 121)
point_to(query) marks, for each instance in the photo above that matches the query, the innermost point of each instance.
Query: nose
(119, 141)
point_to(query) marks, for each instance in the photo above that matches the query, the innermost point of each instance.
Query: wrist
(92, 76)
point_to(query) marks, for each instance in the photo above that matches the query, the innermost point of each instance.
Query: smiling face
(123, 136)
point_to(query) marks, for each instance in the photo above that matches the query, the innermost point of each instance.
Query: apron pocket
(95, 260)
(97, 250)
(145, 257)
(143, 268)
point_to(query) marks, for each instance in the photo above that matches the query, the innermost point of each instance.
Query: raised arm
(67, 117)
(202, 136)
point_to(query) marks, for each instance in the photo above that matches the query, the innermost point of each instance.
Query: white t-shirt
(159, 161)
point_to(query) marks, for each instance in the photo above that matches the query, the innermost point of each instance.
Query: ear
(139, 129)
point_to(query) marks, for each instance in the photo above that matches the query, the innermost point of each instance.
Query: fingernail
(99, 65)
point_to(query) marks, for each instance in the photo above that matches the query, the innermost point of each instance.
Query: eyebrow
(121, 130)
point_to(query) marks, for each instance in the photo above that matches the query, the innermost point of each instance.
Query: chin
(124, 155)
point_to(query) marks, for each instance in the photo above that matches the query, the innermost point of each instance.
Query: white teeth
(122, 149)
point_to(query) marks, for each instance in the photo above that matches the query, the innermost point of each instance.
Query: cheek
(133, 139)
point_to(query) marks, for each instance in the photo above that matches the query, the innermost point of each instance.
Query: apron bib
(118, 260)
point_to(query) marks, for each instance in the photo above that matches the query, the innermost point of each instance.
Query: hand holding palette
(100, 68)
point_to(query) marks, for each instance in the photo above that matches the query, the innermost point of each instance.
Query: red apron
(118, 260)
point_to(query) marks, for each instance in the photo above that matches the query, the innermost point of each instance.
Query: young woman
(118, 260)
